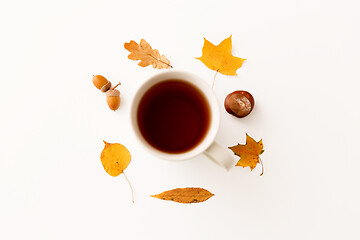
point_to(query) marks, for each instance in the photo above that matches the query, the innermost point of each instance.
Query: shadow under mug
(207, 146)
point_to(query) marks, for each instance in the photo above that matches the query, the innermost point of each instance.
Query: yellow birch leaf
(115, 158)
(185, 195)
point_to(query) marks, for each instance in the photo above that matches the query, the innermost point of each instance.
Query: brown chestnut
(239, 103)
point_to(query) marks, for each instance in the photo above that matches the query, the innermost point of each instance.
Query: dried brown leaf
(185, 195)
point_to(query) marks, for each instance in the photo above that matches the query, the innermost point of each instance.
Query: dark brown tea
(173, 116)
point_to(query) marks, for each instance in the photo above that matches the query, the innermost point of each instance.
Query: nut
(239, 103)
(100, 81)
(113, 99)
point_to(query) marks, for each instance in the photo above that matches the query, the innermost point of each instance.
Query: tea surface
(173, 116)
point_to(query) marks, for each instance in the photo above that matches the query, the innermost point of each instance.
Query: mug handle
(220, 156)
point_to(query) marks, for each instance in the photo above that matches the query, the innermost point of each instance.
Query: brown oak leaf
(146, 54)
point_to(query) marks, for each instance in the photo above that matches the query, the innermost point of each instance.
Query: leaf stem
(214, 78)
(262, 167)
(160, 60)
(132, 192)
(166, 63)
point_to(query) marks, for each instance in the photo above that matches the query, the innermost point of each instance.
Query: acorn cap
(106, 87)
(113, 93)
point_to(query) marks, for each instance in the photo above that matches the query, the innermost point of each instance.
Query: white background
(302, 68)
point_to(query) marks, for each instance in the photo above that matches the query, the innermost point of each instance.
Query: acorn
(101, 83)
(113, 98)
(239, 103)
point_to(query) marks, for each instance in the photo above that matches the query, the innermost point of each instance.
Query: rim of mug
(209, 95)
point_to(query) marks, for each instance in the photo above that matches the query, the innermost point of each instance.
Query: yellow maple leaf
(219, 58)
(146, 54)
(248, 153)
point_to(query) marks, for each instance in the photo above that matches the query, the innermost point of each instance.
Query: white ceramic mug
(208, 146)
